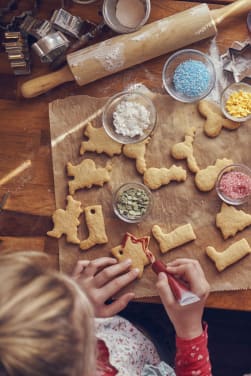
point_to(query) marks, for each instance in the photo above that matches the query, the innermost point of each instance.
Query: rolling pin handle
(42, 84)
(234, 9)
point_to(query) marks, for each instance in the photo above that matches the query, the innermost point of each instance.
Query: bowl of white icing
(129, 117)
(126, 16)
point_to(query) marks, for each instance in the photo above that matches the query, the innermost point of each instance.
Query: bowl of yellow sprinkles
(236, 102)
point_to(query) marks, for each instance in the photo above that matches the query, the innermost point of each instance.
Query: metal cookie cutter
(51, 46)
(67, 23)
(16, 46)
(237, 60)
(36, 28)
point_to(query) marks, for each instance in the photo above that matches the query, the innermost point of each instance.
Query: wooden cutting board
(173, 205)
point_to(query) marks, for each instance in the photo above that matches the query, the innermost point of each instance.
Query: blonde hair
(46, 321)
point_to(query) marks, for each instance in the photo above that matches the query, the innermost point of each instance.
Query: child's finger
(164, 290)
(100, 263)
(116, 284)
(111, 272)
(118, 305)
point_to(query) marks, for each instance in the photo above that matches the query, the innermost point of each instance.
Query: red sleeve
(192, 356)
(104, 368)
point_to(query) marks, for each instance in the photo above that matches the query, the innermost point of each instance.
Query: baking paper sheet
(173, 205)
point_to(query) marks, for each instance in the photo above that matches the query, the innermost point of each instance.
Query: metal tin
(50, 46)
(109, 14)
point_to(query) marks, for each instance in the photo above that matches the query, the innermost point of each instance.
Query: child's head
(46, 321)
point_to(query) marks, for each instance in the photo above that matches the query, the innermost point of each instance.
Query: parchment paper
(175, 204)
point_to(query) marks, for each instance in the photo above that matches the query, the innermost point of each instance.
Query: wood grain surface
(25, 135)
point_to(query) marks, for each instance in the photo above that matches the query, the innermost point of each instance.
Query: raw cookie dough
(96, 226)
(184, 150)
(86, 174)
(66, 221)
(231, 220)
(215, 120)
(230, 255)
(137, 151)
(99, 142)
(154, 178)
(179, 236)
(205, 179)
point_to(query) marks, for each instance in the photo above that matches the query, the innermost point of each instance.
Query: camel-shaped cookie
(205, 179)
(137, 151)
(184, 150)
(66, 221)
(96, 226)
(86, 174)
(177, 237)
(133, 248)
(231, 220)
(99, 142)
(230, 255)
(154, 177)
(215, 120)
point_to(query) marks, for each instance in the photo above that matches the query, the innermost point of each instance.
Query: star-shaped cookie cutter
(237, 60)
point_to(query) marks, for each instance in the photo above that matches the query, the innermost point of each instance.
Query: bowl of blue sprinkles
(188, 75)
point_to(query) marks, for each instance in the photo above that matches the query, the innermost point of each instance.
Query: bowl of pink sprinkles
(233, 184)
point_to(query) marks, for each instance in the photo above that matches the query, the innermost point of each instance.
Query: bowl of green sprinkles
(132, 202)
(188, 75)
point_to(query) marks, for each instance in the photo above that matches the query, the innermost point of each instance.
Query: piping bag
(180, 291)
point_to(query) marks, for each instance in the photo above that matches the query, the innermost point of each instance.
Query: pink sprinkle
(235, 185)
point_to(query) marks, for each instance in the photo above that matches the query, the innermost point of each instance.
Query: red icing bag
(183, 295)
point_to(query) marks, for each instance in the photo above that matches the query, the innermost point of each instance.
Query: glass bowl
(233, 90)
(188, 75)
(109, 11)
(233, 184)
(129, 117)
(132, 202)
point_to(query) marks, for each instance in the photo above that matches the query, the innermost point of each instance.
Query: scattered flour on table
(131, 119)
(222, 81)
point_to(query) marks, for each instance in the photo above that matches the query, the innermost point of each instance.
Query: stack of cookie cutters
(237, 60)
(17, 49)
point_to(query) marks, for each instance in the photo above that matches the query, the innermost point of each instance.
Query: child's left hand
(101, 279)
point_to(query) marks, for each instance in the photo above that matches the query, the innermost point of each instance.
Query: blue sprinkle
(191, 78)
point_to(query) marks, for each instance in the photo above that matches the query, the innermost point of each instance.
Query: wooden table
(25, 135)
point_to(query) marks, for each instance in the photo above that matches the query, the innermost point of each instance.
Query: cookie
(205, 179)
(96, 227)
(230, 220)
(133, 248)
(179, 236)
(99, 142)
(66, 221)
(86, 174)
(215, 120)
(230, 255)
(154, 178)
(137, 151)
(184, 150)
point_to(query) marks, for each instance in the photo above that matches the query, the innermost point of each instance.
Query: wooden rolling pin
(124, 51)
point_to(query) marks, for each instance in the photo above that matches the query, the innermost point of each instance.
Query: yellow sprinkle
(239, 104)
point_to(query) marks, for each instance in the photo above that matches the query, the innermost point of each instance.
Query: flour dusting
(111, 57)
(222, 81)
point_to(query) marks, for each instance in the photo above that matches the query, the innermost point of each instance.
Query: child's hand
(187, 320)
(101, 279)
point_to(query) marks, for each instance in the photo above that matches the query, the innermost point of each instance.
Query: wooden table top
(25, 134)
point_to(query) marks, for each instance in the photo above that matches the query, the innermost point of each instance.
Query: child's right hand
(187, 320)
